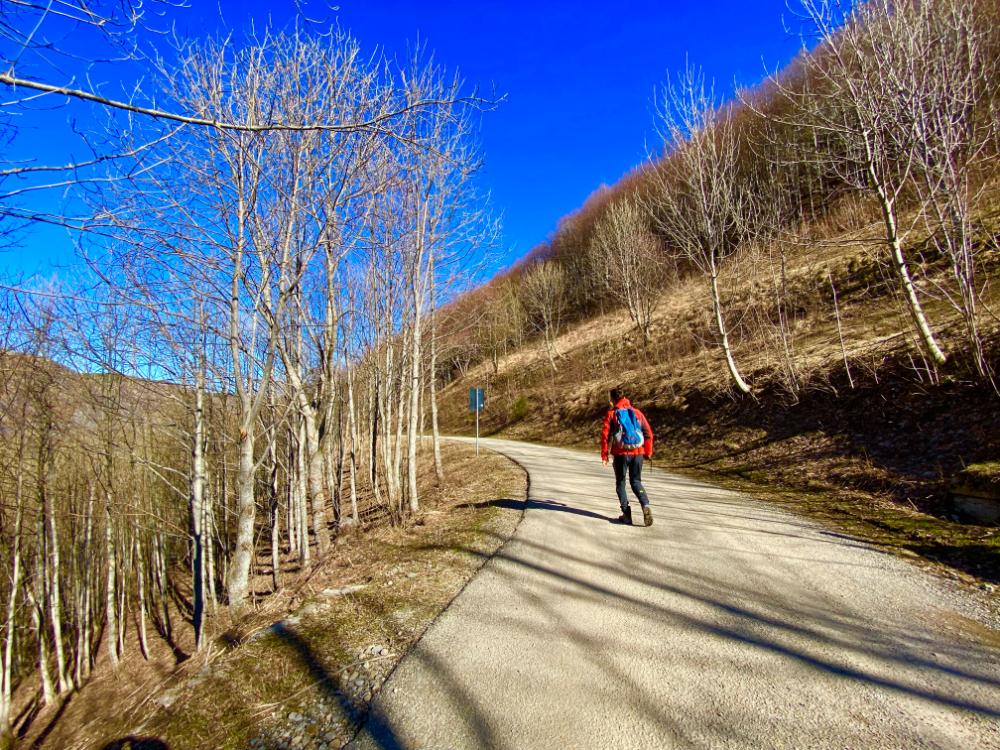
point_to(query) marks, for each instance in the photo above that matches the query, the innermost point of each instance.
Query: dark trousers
(634, 466)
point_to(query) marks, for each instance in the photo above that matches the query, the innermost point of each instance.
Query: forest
(243, 369)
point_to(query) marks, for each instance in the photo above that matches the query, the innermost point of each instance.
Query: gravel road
(725, 624)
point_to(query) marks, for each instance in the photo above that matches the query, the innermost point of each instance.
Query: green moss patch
(981, 480)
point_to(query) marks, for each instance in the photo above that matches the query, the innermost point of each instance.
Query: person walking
(629, 438)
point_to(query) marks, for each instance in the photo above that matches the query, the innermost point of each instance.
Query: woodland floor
(299, 671)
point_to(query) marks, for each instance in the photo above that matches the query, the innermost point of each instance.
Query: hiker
(631, 439)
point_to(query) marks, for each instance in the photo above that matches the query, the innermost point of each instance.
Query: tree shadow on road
(767, 622)
(523, 505)
(374, 723)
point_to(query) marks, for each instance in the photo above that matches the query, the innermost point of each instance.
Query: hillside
(862, 436)
(798, 287)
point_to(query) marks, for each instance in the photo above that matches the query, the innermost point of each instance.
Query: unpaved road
(726, 624)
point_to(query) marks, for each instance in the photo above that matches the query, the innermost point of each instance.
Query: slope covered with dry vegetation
(800, 291)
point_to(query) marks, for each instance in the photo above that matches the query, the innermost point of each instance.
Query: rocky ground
(333, 719)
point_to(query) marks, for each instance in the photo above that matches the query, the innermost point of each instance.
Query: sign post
(477, 400)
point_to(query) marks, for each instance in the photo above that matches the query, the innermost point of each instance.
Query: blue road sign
(477, 399)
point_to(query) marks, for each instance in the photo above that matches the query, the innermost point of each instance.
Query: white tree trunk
(888, 206)
(54, 594)
(435, 431)
(741, 384)
(315, 460)
(414, 416)
(84, 655)
(109, 600)
(840, 333)
(301, 496)
(274, 499)
(140, 564)
(432, 373)
(353, 428)
(198, 511)
(38, 621)
(239, 568)
(6, 668)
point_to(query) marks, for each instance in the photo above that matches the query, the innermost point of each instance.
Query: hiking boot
(626, 517)
(647, 515)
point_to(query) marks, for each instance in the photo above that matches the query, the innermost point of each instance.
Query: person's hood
(623, 403)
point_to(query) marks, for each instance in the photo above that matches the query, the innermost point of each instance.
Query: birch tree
(703, 204)
(542, 295)
(934, 63)
(849, 97)
(631, 265)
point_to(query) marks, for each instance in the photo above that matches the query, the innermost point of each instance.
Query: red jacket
(616, 450)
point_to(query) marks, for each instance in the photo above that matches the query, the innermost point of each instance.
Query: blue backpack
(627, 430)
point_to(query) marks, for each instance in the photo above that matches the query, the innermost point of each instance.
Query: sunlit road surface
(726, 624)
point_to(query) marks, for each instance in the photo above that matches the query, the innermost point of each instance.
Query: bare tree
(542, 295)
(704, 204)
(932, 57)
(262, 300)
(630, 262)
(848, 94)
(500, 321)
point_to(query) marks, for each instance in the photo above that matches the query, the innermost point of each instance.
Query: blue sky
(579, 79)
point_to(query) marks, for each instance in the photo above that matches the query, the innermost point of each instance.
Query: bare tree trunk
(109, 545)
(160, 579)
(302, 495)
(54, 595)
(292, 514)
(198, 510)
(314, 467)
(208, 545)
(239, 568)
(335, 479)
(840, 333)
(123, 587)
(250, 403)
(85, 658)
(402, 410)
(781, 328)
(140, 564)
(353, 428)
(414, 416)
(6, 669)
(388, 383)
(38, 621)
(888, 207)
(274, 496)
(375, 405)
(741, 384)
(417, 282)
(435, 431)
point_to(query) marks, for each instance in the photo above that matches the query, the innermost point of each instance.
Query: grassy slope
(252, 676)
(874, 458)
